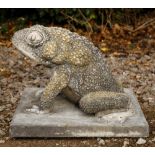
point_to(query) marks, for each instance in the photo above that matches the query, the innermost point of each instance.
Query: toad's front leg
(58, 81)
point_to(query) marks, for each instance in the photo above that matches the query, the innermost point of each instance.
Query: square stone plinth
(67, 120)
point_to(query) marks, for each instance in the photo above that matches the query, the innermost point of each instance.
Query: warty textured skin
(78, 68)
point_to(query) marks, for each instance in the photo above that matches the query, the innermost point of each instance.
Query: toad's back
(94, 77)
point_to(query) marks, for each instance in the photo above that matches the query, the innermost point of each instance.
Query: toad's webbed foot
(100, 101)
(45, 106)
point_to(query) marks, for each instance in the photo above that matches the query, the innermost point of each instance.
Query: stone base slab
(67, 120)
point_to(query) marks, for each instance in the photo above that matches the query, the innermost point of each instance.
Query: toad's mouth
(29, 54)
(34, 57)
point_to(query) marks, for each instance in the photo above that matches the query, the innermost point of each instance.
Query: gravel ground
(17, 72)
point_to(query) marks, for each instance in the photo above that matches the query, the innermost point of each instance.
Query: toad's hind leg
(104, 101)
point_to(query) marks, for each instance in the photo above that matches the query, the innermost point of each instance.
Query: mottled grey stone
(77, 68)
(67, 120)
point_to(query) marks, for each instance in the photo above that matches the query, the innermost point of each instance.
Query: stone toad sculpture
(78, 69)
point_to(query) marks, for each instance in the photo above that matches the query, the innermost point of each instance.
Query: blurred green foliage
(87, 19)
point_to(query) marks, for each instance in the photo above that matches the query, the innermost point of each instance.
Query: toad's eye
(34, 38)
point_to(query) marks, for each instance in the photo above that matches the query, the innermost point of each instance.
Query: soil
(131, 59)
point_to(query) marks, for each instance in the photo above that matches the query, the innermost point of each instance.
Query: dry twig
(144, 25)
